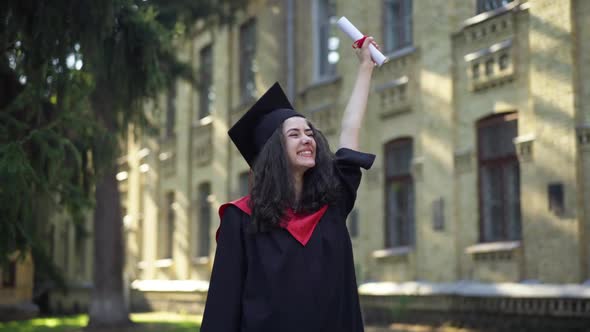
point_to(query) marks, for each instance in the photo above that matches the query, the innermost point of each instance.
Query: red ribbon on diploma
(359, 43)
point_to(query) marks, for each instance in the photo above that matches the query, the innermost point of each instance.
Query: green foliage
(156, 322)
(56, 324)
(42, 159)
(73, 75)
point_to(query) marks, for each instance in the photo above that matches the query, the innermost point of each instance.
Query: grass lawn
(145, 322)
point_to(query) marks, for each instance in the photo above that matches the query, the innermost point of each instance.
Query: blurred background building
(480, 195)
(16, 289)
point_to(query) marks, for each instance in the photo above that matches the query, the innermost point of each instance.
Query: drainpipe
(229, 107)
(290, 37)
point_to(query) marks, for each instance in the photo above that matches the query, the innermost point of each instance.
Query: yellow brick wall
(440, 114)
(548, 239)
(471, 106)
(434, 140)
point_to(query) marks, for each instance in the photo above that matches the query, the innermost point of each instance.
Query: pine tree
(73, 76)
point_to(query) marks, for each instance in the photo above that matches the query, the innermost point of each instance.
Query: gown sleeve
(223, 308)
(348, 165)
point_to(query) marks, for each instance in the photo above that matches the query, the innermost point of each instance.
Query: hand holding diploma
(356, 35)
(357, 104)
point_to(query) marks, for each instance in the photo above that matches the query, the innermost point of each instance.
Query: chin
(309, 166)
(306, 167)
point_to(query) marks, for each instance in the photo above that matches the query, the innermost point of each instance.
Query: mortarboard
(254, 128)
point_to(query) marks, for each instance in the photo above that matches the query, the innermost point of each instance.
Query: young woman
(284, 258)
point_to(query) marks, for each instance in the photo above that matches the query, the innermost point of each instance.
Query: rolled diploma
(355, 34)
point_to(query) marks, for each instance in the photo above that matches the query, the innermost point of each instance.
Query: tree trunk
(107, 304)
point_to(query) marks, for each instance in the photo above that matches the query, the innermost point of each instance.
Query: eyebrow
(297, 129)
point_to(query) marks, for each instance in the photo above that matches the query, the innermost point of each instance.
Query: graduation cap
(253, 129)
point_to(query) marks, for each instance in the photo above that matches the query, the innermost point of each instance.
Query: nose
(306, 139)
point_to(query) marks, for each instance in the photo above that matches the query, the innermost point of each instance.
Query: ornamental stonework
(524, 147)
(491, 66)
(490, 43)
(202, 144)
(396, 83)
(325, 118)
(167, 157)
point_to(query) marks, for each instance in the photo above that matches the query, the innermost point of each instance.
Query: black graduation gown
(269, 282)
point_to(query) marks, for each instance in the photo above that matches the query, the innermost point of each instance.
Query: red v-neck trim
(301, 227)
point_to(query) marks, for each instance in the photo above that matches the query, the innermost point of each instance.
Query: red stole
(299, 226)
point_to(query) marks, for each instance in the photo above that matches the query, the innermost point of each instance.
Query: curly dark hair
(273, 190)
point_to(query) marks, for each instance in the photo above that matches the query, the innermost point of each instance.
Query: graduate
(284, 257)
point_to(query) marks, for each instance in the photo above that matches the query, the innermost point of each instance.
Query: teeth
(305, 153)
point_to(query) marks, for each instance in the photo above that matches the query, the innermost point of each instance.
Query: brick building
(480, 121)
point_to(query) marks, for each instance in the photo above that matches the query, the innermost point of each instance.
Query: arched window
(397, 24)
(399, 194)
(326, 44)
(203, 220)
(171, 111)
(205, 86)
(247, 63)
(166, 228)
(499, 178)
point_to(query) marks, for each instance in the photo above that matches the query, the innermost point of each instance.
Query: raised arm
(357, 104)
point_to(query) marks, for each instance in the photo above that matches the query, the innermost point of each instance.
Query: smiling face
(300, 144)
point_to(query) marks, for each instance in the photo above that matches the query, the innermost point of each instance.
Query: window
(139, 234)
(52, 242)
(499, 179)
(167, 228)
(397, 24)
(475, 71)
(204, 220)
(247, 65)
(244, 182)
(489, 67)
(171, 110)
(205, 81)
(80, 247)
(487, 5)
(326, 43)
(556, 201)
(399, 194)
(438, 214)
(9, 275)
(65, 244)
(503, 61)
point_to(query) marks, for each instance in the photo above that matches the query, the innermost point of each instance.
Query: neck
(298, 186)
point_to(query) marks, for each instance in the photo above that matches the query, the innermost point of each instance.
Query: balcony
(202, 144)
(325, 117)
(167, 157)
(491, 66)
(320, 103)
(397, 95)
(489, 45)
